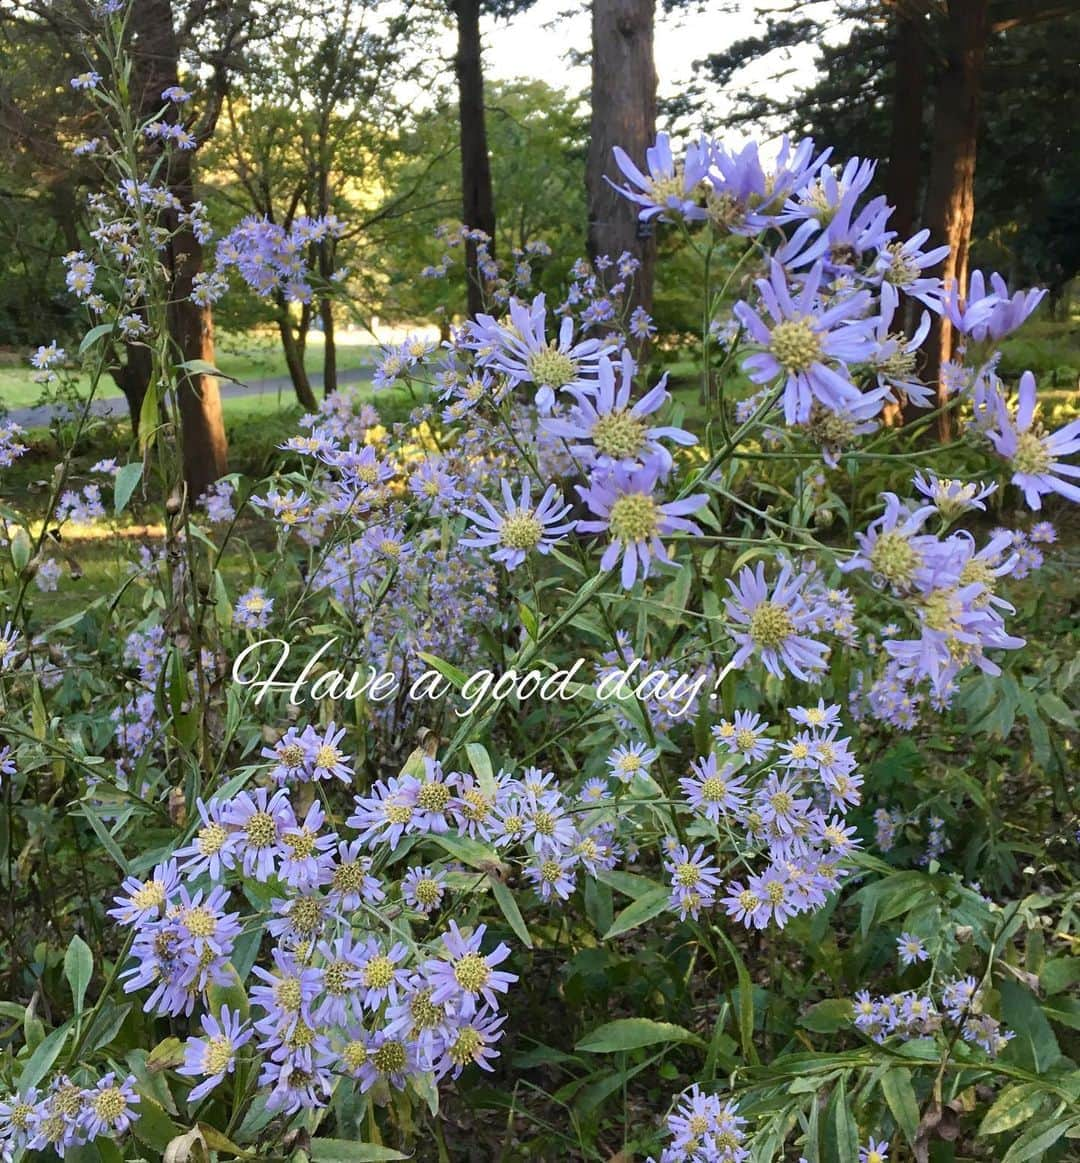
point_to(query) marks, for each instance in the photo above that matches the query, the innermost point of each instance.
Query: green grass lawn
(247, 358)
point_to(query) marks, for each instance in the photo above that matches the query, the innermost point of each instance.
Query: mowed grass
(247, 358)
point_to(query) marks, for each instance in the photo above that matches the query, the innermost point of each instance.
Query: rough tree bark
(909, 93)
(950, 193)
(477, 199)
(155, 54)
(623, 114)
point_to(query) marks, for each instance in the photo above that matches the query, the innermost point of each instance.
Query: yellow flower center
(618, 435)
(150, 896)
(427, 892)
(713, 789)
(109, 1104)
(770, 625)
(551, 367)
(687, 874)
(390, 1058)
(465, 1046)
(634, 517)
(472, 972)
(1030, 456)
(288, 994)
(336, 978)
(433, 796)
(306, 915)
(379, 972)
(398, 813)
(217, 1055)
(894, 558)
(261, 830)
(795, 345)
(211, 839)
(199, 921)
(301, 844)
(354, 1055)
(521, 531)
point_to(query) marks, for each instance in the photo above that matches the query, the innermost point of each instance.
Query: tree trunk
(950, 194)
(477, 199)
(155, 53)
(133, 378)
(905, 145)
(623, 114)
(326, 313)
(294, 360)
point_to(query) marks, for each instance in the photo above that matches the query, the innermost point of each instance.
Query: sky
(536, 44)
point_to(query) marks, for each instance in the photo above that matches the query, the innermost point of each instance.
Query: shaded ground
(39, 417)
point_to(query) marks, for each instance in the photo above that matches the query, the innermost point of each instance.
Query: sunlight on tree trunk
(624, 114)
(156, 55)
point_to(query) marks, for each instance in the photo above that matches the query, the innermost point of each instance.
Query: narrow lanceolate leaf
(647, 906)
(43, 1057)
(631, 1034)
(126, 480)
(346, 1151)
(453, 675)
(1013, 1107)
(505, 900)
(78, 966)
(900, 1095)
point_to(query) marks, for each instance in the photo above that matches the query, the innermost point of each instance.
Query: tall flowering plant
(577, 666)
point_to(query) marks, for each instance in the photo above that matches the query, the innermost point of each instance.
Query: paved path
(39, 417)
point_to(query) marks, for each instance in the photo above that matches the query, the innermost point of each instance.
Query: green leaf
(43, 1057)
(482, 769)
(651, 904)
(78, 968)
(845, 1134)
(103, 834)
(166, 1055)
(632, 1033)
(453, 675)
(1034, 1046)
(93, 335)
(1015, 1105)
(20, 549)
(828, 1016)
(148, 416)
(126, 480)
(153, 1126)
(1033, 1143)
(746, 1000)
(529, 621)
(344, 1151)
(900, 1095)
(468, 851)
(505, 900)
(231, 994)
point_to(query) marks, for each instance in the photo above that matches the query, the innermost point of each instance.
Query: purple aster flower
(146, 900)
(1035, 457)
(634, 519)
(16, 1121)
(298, 920)
(56, 1123)
(303, 861)
(713, 791)
(901, 265)
(604, 429)
(744, 736)
(629, 759)
(292, 757)
(211, 850)
(470, 1042)
(552, 875)
(387, 813)
(1043, 532)
(808, 345)
(108, 1107)
(748, 192)
(327, 759)
(894, 551)
(8, 638)
(694, 879)
(820, 718)
(259, 818)
(389, 1059)
(294, 1088)
(985, 1031)
(671, 189)
(349, 879)
(521, 528)
(214, 1054)
(204, 925)
(253, 609)
(910, 949)
(423, 889)
(875, 1151)
(522, 351)
(771, 622)
(379, 973)
(951, 498)
(472, 809)
(466, 974)
(895, 353)
(289, 995)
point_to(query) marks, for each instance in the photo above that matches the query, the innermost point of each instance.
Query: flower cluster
(68, 1115)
